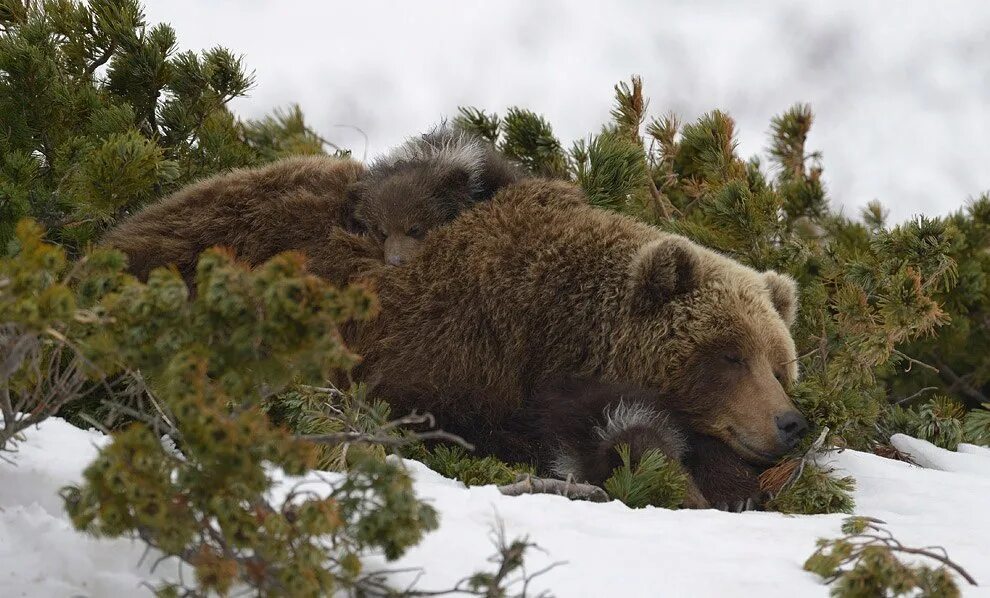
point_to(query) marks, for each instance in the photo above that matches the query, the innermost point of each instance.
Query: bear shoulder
(542, 192)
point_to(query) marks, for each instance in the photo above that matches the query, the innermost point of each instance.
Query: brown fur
(297, 203)
(425, 184)
(535, 286)
(573, 427)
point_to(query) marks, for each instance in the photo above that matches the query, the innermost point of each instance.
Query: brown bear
(297, 203)
(537, 285)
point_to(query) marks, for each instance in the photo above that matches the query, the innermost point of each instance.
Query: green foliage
(212, 362)
(655, 480)
(307, 410)
(863, 564)
(961, 351)
(528, 138)
(939, 421)
(102, 114)
(477, 122)
(611, 169)
(54, 343)
(976, 428)
(283, 133)
(521, 135)
(815, 492)
(456, 463)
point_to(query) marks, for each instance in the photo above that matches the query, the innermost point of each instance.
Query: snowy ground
(608, 549)
(900, 89)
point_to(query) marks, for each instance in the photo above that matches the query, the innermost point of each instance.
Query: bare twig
(912, 361)
(802, 356)
(960, 383)
(364, 156)
(915, 395)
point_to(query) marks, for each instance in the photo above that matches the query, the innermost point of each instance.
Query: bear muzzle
(791, 428)
(399, 249)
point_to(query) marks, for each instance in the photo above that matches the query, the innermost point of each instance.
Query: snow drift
(604, 549)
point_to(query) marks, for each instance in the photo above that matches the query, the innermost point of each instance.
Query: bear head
(714, 336)
(400, 207)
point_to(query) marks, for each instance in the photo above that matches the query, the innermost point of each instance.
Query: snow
(899, 88)
(606, 549)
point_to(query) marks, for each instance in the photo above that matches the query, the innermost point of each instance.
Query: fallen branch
(568, 488)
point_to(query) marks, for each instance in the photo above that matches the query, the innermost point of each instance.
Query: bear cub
(577, 426)
(425, 183)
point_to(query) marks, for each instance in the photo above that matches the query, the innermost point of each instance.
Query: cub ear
(662, 270)
(454, 179)
(355, 196)
(453, 187)
(783, 294)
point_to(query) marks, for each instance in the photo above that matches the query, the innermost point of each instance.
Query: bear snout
(791, 428)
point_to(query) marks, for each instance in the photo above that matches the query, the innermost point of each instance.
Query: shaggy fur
(536, 285)
(581, 423)
(426, 183)
(297, 203)
(572, 428)
(718, 472)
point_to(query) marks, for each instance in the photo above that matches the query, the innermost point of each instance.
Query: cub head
(714, 335)
(400, 207)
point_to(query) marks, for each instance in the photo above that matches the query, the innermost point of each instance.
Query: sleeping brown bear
(536, 285)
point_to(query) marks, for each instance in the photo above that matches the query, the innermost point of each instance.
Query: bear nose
(394, 260)
(791, 427)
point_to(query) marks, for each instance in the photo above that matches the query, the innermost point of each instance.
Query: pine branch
(382, 436)
(102, 58)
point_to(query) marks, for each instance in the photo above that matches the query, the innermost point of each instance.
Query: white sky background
(901, 90)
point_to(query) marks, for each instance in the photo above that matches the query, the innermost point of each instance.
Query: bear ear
(453, 180)
(783, 295)
(355, 196)
(662, 270)
(452, 187)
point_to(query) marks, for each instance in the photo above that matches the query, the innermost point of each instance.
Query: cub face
(399, 209)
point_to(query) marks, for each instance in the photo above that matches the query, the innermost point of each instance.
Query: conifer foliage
(211, 362)
(101, 114)
(864, 563)
(54, 346)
